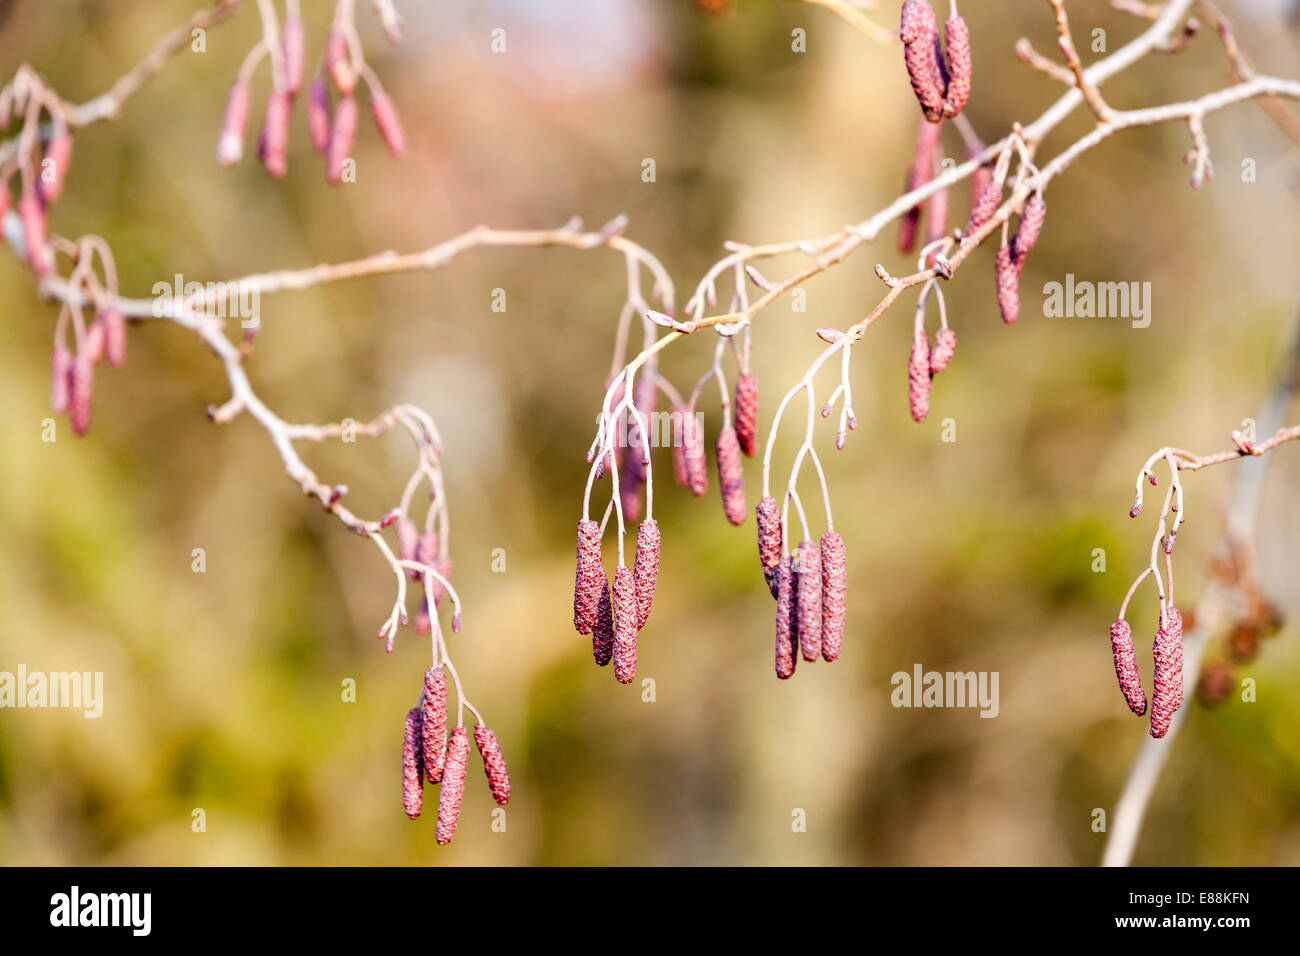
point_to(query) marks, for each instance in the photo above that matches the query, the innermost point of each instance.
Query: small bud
(453, 785)
(494, 764)
(412, 787)
(747, 412)
(731, 478)
(388, 123)
(624, 606)
(645, 568)
(433, 725)
(1130, 681)
(342, 135)
(230, 147)
(834, 590)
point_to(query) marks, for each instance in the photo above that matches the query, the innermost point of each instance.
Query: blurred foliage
(223, 689)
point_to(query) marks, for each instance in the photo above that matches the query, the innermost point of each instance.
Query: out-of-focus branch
(857, 19)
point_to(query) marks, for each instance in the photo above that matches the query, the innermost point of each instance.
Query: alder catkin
(956, 38)
(731, 478)
(54, 165)
(919, 32)
(918, 377)
(230, 145)
(988, 196)
(645, 568)
(342, 134)
(453, 785)
(275, 133)
(338, 62)
(389, 123)
(1130, 681)
(82, 392)
(834, 585)
(31, 216)
(1031, 225)
(114, 335)
(494, 764)
(433, 723)
(1008, 283)
(294, 46)
(60, 370)
(412, 787)
(426, 548)
(624, 606)
(786, 636)
(318, 114)
(810, 600)
(589, 579)
(1167, 687)
(602, 633)
(747, 412)
(945, 345)
(697, 465)
(768, 518)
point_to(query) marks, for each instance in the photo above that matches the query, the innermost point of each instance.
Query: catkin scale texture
(1027, 233)
(453, 785)
(645, 568)
(624, 606)
(731, 478)
(494, 764)
(82, 392)
(956, 38)
(945, 346)
(919, 32)
(342, 135)
(918, 377)
(693, 457)
(768, 518)
(810, 600)
(834, 586)
(412, 788)
(602, 634)
(433, 737)
(589, 579)
(786, 651)
(1126, 670)
(1167, 686)
(747, 413)
(1008, 285)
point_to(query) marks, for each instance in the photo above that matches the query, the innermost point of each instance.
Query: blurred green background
(223, 689)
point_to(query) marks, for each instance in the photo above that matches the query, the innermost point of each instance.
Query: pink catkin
(338, 62)
(810, 600)
(919, 32)
(494, 764)
(1031, 226)
(1167, 687)
(747, 412)
(60, 371)
(956, 38)
(434, 723)
(318, 114)
(1130, 681)
(768, 519)
(589, 578)
(426, 549)
(453, 785)
(988, 197)
(389, 123)
(342, 135)
(230, 146)
(645, 568)
(423, 622)
(275, 133)
(681, 470)
(443, 565)
(31, 216)
(697, 465)
(407, 540)
(945, 345)
(834, 585)
(602, 634)
(54, 165)
(624, 607)
(82, 392)
(294, 45)
(786, 653)
(731, 478)
(918, 377)
(412, 787)
(1008, 284)
(923, 155)
(114, 335)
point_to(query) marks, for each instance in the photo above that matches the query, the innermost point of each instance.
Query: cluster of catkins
(333, 134)
(614, 616)
(809, 586)
(924, 363)
(1167, 684)
(41, 184)
(941, 88)
(72, 374)
(430, 754)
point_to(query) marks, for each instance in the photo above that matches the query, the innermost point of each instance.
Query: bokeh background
(223, 689)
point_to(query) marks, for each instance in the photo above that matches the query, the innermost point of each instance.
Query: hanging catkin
(412, 789)
(434, 723)
(834, 587)
(494, 764)
(810, 600)
(645, 568)
(1167, 689)
(624, 602)
(453, 785)
(589, 577)
(1130, 682)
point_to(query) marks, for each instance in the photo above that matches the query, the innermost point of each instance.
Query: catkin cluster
(942, 88)
(1167, 658)
(615, 616)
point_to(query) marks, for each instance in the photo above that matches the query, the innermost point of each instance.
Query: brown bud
(731, 478)
(624, 605)
(834, 590)
(412, 787)
(645, 569)
(589, 579)
(494, 764)
(433, 727)
(1215, 683)
(453, 785)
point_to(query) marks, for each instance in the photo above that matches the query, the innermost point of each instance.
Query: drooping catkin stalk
(1130, 681)
(768, 518)
(747, 412)
(624, 606)
(810, 600)
(918, 377)
(602, 633)
(731, 478)
(786, 630)
(834, 585)
(1167, 687)
(920, 35)
(453, 785)
(412, 766)
(60, 372)
(945, 345)
(645, 568)
(1008, 283)
(494, 764)
(956, 39)
(589, 579)
(434, 723)
(1031, 226)
(697, 463)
